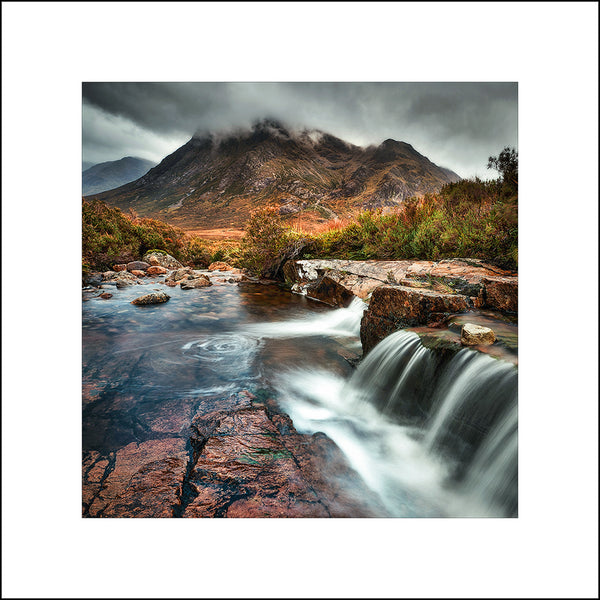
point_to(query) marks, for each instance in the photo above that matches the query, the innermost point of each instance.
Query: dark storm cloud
(457, 125)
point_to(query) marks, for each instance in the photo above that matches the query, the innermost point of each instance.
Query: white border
(550, 49)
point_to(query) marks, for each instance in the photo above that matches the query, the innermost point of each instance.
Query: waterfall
(344, 322)
(434, 434)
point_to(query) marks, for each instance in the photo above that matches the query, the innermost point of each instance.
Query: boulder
(179, 274)
(198, 282)
(152, 298)
(137, 265)
(156, 270)
(475, 335)
(105, 295)
(397, 307)
(121, 278)
(219, 266)
(138, 273)
(162, 259)
(501, 293)
(120, 267)
(328, 289)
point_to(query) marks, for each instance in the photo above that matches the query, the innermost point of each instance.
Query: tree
(507, 164)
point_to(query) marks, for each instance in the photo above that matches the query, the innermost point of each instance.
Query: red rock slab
(146, 480)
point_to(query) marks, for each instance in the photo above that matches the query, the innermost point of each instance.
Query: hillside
(215, 181)
(108, 175)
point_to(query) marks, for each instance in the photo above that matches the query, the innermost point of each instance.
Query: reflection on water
(197, 347)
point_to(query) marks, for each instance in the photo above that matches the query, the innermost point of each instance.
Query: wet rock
(160, 259)
(328, 289)
(171, 283)
(137, 265)
(180, 274)
(121, 278)
(105, 296)
(138, 273)
(156, 270)
(501, 293)
(474, 335)
(145, 481)
(253, 464)
(122, 267)
(94, 279)
(198, 282)
(397, 307)
(219, 266)
(152, 298)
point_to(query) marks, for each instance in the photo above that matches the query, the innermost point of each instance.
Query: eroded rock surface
(484, 285)
(233, 458)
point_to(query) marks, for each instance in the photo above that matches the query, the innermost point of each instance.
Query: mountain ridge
(112, 174)
(217, 179)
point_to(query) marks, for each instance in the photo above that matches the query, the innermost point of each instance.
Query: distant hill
(216, 180)
(85, 165)
(112, 174)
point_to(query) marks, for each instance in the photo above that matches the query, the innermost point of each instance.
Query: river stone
(219, 266)
(122, 267)
(137, 265)
(158, 259)
(152, 298)
(106, 295)
(179, 274)
(198, 282)
(156, 270)
(138, 273)
(475, 335)
(121, 278)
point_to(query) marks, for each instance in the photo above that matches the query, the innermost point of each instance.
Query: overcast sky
(456, 125)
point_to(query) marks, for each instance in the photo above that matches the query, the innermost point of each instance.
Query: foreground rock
(397, 307)
(162, 259)
(235, 458)
(152, 298)
(474, 335)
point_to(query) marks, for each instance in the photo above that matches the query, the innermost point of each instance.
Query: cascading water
(433, 434)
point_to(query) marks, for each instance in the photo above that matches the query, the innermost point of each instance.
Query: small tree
(507, 164)
(264, 240)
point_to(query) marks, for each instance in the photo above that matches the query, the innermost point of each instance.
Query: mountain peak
(216, 179)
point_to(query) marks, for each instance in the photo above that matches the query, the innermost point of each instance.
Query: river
(431, 434)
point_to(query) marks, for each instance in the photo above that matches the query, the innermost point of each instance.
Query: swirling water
(432, 436)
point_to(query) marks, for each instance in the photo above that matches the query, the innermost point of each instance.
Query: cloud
(456, 125)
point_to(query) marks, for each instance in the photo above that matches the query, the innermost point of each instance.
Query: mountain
(85, 165)
(215, 181)
(114, 173)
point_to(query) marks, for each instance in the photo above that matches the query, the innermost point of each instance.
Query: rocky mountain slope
(216, 181)
(109, 175)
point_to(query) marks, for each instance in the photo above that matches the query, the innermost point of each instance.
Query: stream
(432, 434)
